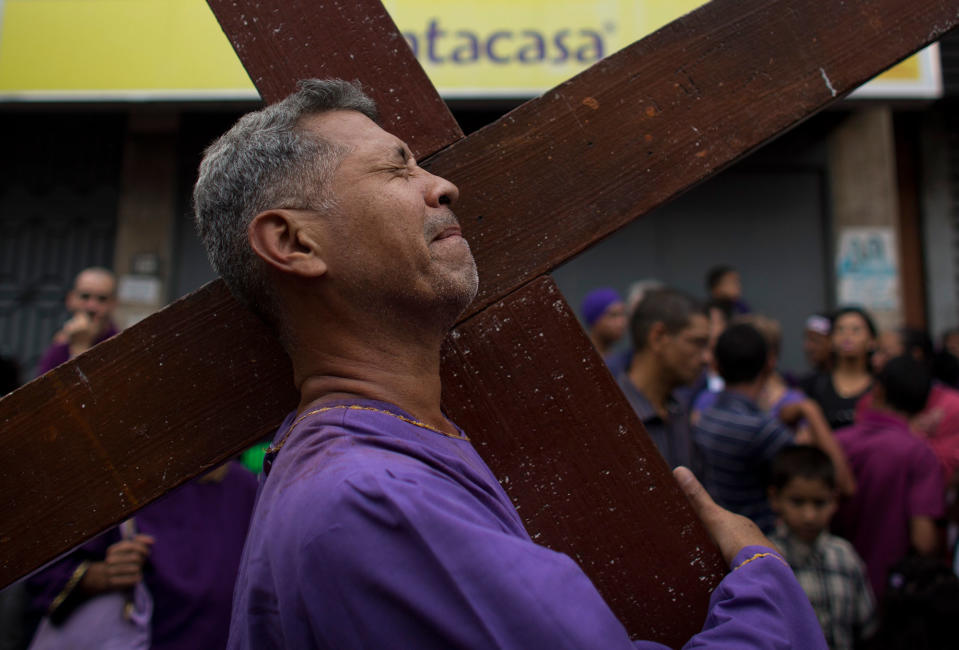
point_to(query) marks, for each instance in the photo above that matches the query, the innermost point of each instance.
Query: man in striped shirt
(737, 439)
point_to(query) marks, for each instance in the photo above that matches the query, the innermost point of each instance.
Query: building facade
(858, 204)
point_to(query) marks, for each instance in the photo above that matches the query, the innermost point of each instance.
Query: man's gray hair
(266, 161)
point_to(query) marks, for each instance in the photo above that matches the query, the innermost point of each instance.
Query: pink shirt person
(898, 479)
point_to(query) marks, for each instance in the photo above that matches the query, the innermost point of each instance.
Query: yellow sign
(521, 48)
(168, 49)
(116, 49)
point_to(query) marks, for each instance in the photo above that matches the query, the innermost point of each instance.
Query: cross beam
(201, 379)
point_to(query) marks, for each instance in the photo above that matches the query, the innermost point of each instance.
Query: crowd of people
(850, 467)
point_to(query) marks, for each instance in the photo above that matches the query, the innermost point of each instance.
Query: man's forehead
(698, 326)
(697, 321)
(352, 129)
(93, 279)
(801, 486)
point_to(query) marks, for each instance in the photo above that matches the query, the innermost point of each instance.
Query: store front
(165, 72)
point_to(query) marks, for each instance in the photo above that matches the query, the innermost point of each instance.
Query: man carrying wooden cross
(378, 525)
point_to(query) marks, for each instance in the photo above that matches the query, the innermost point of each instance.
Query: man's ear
(278, 238)
(656, 336)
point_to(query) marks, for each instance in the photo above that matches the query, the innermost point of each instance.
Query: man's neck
(750, 390)
(403, 374)
(882, 407)
(645, 375)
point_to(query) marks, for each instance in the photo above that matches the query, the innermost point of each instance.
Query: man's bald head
(94, 293)
(96, 274)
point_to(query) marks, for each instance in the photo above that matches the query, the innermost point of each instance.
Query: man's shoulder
(875, 444)
(640, 403)
(330, 462)
(301, 502)
(923, 457)
(332, 470)
(898, 439)
(731, 412)
(366, 503)
(853, 432)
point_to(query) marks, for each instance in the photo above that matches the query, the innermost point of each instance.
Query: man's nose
(440, 191)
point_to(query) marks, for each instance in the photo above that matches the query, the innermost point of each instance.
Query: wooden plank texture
(523, 380)
(645, 124)
(283, 41)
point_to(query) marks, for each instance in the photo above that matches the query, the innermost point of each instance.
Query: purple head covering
(598, 301)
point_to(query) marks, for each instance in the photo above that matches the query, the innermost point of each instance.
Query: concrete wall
(143, 257)
(939, 221)
(863, 185)
(768, 216)
(59, 191)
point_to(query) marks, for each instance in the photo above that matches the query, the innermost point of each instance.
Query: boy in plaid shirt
(802, 491)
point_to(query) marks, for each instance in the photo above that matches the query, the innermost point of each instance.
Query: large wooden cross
(87, 444)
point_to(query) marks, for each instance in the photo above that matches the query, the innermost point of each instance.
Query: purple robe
(60, 352)
(199, 530)
(372, 532)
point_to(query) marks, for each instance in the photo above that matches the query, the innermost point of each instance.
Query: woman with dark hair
(853, 338)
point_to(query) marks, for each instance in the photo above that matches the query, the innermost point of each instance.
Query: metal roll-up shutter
(59, 187)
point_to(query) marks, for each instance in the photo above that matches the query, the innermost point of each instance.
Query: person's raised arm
(820, 435)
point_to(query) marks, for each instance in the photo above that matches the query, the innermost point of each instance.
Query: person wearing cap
(816, 344)
(605, 314)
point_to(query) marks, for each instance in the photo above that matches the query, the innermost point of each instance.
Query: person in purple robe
(187, 551)
(90, 302)
(377, 524)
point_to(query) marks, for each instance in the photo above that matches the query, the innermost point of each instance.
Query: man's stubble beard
(451, 290)
(458, 291)
(454, 288)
